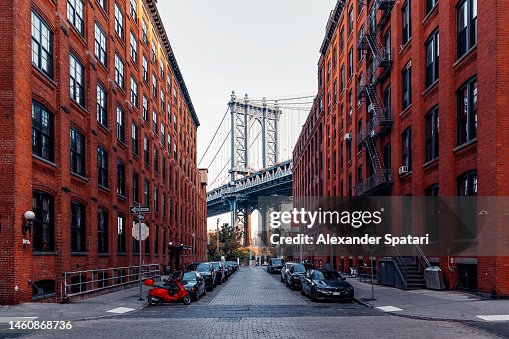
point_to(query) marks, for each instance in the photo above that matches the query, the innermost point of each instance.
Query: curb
(419, 317)
(111, 315)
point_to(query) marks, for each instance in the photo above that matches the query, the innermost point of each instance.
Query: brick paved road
(254, 304)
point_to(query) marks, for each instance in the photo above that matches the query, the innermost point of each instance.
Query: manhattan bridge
(250, 156)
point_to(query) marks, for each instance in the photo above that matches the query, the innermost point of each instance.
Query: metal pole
(371, 261)
(217, 237)
(194, 247)
(139, 249)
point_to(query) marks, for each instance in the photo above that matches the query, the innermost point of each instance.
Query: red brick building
(388, 70)
(111, 125)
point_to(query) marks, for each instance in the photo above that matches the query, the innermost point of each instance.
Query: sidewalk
(430, 304)
(106, 305)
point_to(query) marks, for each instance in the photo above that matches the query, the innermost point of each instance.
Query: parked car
(326, 284)
(275, 265)
(193, 283)
(295, 273)
(207, 271)
(220, 272)
(285, 267)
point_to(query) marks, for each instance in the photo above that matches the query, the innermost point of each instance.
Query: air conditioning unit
(403, 169)
(348, 137)
(371, 108)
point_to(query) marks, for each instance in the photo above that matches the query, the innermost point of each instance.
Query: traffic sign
(144, 231)
(139, 209)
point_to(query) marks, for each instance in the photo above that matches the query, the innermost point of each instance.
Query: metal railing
(87, 281)
(380, 178)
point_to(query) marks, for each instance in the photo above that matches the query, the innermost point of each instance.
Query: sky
(266, 48)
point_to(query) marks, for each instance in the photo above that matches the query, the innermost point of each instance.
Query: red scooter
(170, 291)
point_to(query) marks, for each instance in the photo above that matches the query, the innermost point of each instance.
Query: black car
(207, 271)
(295, 273)
(326, 284)
(275, 265)
(193, 283)
(221, 275)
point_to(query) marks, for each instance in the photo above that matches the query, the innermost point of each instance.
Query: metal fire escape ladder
(381, 117)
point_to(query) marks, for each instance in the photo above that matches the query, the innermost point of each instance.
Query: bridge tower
(244, 113)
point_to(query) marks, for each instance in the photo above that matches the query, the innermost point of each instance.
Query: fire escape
(380, 123)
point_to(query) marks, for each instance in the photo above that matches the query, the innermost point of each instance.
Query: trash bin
(434, 278)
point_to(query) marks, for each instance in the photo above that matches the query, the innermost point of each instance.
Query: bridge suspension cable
(215, 134)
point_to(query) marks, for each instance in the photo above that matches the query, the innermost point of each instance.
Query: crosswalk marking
(496, 317)
(389, 309)
(120, 310)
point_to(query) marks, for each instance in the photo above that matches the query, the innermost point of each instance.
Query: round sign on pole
(144, 231)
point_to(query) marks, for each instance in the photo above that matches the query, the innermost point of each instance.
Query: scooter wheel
(153, 301)
(186, 300)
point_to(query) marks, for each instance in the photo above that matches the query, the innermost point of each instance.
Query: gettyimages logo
(310, 219)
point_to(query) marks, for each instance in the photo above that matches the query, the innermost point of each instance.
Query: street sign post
(139, 209)
(140, 232)
(143, 235)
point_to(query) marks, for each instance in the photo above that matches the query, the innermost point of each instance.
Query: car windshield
(308, 266)
(203, 268)
(318, 276)
(276, 262)
(331, 275)
(215, 265)
(189, 276)
(299, 268)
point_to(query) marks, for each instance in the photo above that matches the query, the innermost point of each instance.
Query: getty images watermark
(298, 217)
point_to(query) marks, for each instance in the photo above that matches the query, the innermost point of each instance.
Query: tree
(229, 243)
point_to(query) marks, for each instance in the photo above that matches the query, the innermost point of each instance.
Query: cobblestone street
(255, 304)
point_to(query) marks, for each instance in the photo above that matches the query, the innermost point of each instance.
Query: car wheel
(282, 279)
(313, 294)
(302, 290)
(204, 292)
(186, 300)
(286, 283)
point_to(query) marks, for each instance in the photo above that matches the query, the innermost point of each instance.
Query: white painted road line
(389, 309)
(499, 317)
(121, 310)
(4, 320)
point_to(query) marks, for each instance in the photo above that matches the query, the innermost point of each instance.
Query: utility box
(434, 278)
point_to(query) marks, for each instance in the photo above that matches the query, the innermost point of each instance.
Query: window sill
(51, 163)
(103, 255)
(122, 254)
(406, 175)
(43, 77)
(104, 129)
(79, 254)
(122, 144)
(77, 106)
(79, 35)
(122, 197)
(465, 147)
(80, 177)
(405, 111)
(465, 57)
(43, 253)
(431, 87)
(104, 188)
(432, 13)
(432, 163)
(405, 47)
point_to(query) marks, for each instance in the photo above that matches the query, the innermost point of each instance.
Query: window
(153, 51)
(134, 10)
(162, 134)
(335, 91)
(407, 23)
(430, 4)
(144, 36)
(120, 178)
(467, 184)
(136, 191)
(42, 45)
(102, 232)
(432, 134)
(145, 150)
(145, 108)
(134, 138)
(134, 92)
(406, 153)
(161, 69)
(342, 40)
(387, 98)
(75, 14)
(100, 44)
(144, 65)
(161, 96)
(154, 86)
(77, 152)
(350, 185)
(119, 71)
(467, 112)
(120, 124)
(78, 234)
(359, 175)
(350, 62)
(121, 236)
(156, 160)
(156, 240)
(102, 106)
(387, 156)
(102, 167)
(335, 56)
(342, 78)
(350, 105)
(146, 193)
(77, 80)
(134, 48)
(467, 26)
(467, 207)
(163, 167)
(119, 22)
(350, 20)
(349, 150)
(156, 199)
(154, 122)
(432, 54)
(42, 132)
(43, 233)
(360, 35)
(407, 86)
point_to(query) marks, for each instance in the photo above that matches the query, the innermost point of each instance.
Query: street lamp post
(194, 247)
(217, 237)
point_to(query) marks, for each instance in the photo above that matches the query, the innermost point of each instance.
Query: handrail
(422, 257)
